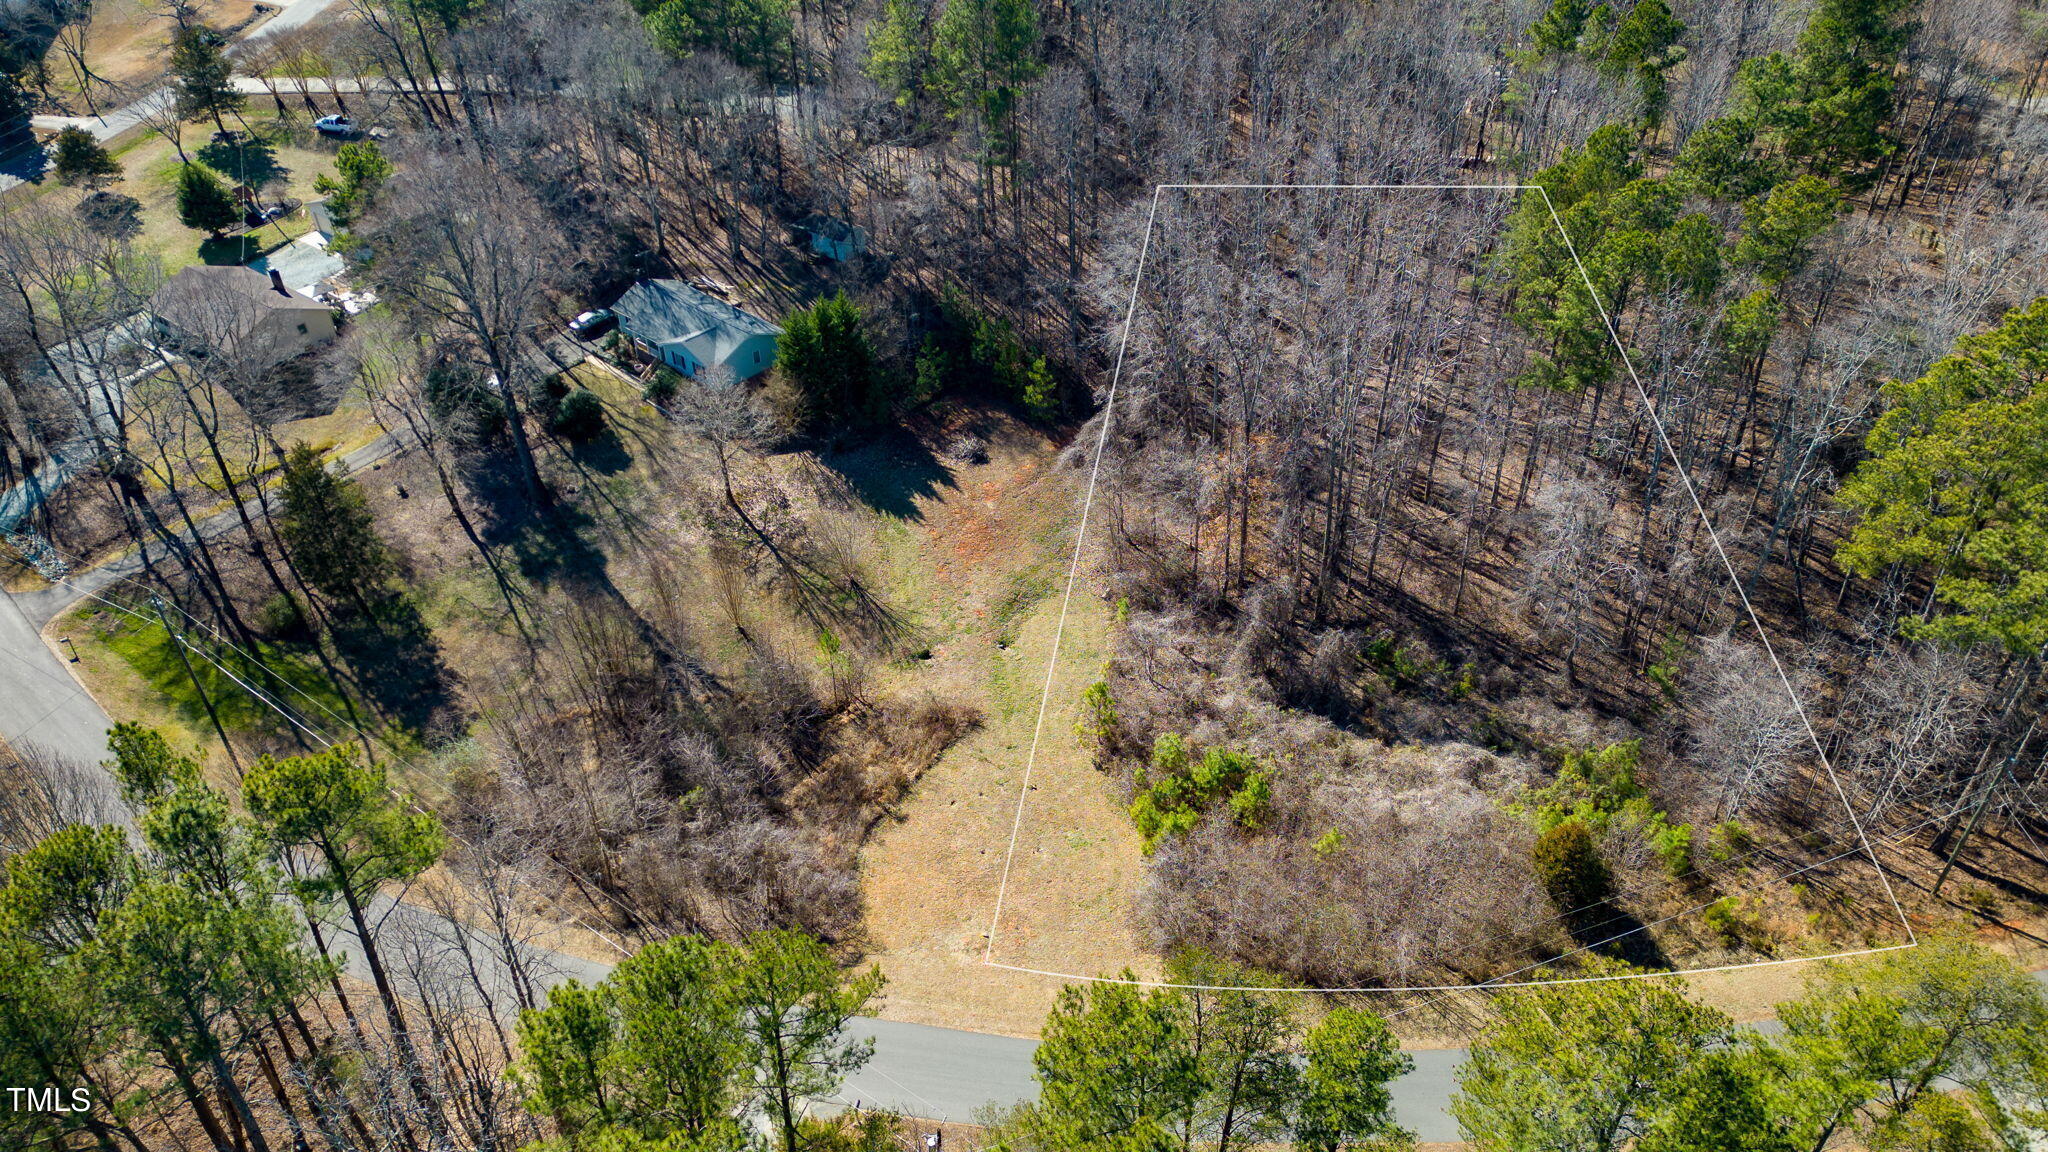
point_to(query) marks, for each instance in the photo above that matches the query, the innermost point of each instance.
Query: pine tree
(824, 352)
(1778, 229)
(206, 77)
(1957, 486)
(984, 52)
(900, 50)
(1580, 1068)
(204, 203)
(329, 532)
(360, 169)
(794, 1005)
(1351, 1058)
(79, 158)
(1114, 1071)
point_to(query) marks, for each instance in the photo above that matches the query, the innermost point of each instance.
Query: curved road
(918, 1070)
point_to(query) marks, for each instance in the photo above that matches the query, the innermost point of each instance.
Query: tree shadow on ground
(604, 454)
(247, 159)
(232, 249)
(890, 472)
(1619, 935)
(21, 156)
(395, 662)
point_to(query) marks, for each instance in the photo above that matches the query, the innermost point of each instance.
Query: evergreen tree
(900, 49)
(1581, 1067)
(1568, 864)
(1351, 1058)
(356, 836)
(1719, 161)
(1957, 485)
(655, 1050)
(1869, 1046)
(1240, 1039)
(194, 972)
(824, 351)
(329, 532)
(1778, 229)
(983, 53)
(204, 202)
(360, 169)
(1824, 108)
(757, 35)
(1557, 32)
(205, 75)
(794, 1005)
(79, 159)
(684, 1038)
(1114, 1071)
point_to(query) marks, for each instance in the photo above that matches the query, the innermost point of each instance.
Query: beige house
(241, 313)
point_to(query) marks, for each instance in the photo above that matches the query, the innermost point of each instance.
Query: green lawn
(289, 675)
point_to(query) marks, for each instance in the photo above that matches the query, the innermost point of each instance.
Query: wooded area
(1432, 657)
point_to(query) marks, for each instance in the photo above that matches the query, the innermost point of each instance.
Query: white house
(690, 330)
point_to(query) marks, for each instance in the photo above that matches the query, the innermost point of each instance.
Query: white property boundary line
(1692, 495)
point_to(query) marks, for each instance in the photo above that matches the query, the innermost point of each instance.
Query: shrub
(1569, 867)
(1098, 719)
(1725, 920)
(283, 618)
(1250, 801)
(580, 417)
(1729, 840)
(1176, 790)
(1673, 843)
(663, 385)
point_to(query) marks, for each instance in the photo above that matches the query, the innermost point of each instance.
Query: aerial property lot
(1426, 670)
(1194, 576)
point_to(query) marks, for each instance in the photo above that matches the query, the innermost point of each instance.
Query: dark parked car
(591, 323)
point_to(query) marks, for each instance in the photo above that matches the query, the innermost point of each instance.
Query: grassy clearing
(149, 173)
(134, 668)
(978, 557)
(128, 44)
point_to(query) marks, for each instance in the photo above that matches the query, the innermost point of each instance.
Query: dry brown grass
(129, 46)
(931, 873)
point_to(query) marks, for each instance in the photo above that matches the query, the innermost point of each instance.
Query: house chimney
(277, 282)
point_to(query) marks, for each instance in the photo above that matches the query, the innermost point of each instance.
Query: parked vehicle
(591, 323)
(336, 125)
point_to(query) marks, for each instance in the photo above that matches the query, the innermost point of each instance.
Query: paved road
(293, 14)
(939, 1073)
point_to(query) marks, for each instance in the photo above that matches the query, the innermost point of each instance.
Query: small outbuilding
(690, 330)
(240, 312)
(833, 238)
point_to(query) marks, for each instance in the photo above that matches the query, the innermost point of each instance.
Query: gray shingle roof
(670, 311)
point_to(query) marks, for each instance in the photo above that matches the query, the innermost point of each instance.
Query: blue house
(689, 330)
